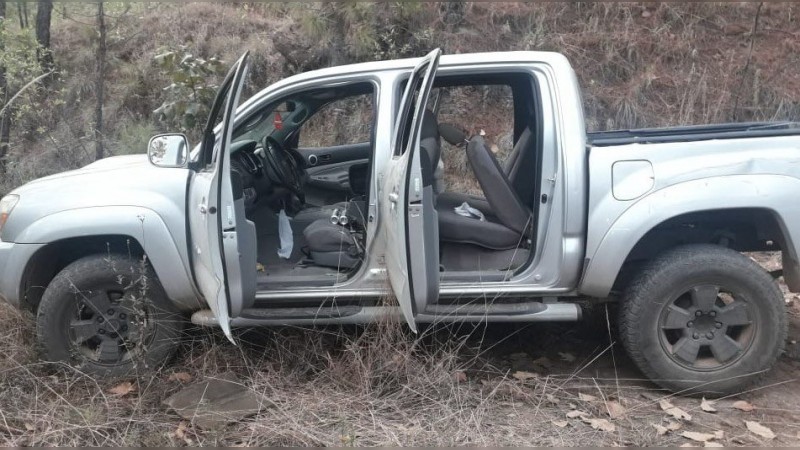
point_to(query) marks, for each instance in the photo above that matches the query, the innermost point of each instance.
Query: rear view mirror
(168, 150)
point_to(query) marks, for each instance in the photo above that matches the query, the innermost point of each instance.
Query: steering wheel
(286, 167)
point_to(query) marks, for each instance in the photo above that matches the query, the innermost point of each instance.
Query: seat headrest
(430, 127)
(430, 141)
(452, 134)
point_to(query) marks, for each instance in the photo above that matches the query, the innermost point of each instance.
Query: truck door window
(486, 110)
(345, 121)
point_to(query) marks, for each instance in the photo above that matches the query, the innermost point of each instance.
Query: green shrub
(132, 138)
(191, 90)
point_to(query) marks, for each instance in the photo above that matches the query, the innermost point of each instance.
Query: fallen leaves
(697, 437)
(522, 375)
(707, 406)
(122, 389)
(671, 426)
(674, 411)
(182, 433)
(595, 423)
(742, 405)
(560, 423)
(759, 430)
(601, 424)
(575, 414)
(707, 439)
(182, 377)
(615, 409)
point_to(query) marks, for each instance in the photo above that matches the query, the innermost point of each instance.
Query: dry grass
(380, 385)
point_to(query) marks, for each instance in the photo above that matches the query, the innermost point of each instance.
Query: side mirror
(168, 150)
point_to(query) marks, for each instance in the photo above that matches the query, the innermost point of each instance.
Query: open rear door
(407, 212)
(212, 211)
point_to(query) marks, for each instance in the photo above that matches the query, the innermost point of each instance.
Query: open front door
(212, 209)
(407, 211)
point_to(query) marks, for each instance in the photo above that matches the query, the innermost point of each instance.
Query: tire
(108, 316)
(692, 302)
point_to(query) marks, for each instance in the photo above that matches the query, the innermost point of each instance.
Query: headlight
(6, 205)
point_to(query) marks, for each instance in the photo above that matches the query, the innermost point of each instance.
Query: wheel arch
(74, 234)
(754, 217)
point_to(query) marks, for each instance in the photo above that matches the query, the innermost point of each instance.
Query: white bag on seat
(285, 233)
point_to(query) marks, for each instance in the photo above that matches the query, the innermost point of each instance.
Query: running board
(349, 315)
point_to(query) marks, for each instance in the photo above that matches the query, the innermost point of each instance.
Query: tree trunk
(22, 6)
(44, 53)
(335, 16)
(5, 122)
(100, 68)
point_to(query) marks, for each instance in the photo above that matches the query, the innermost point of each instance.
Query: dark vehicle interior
(304, 167)
(317, 190)
(493, 237)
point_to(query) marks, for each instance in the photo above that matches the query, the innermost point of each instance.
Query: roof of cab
(555, 59)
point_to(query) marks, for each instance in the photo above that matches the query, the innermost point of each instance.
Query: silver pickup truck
(250, 228)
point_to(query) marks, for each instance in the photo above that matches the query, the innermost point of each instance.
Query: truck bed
(693, 133)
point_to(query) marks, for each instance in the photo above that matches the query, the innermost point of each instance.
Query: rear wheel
(108, 316)
(703, 319)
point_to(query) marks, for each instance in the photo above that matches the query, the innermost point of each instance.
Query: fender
(142, 224)
(777, 193)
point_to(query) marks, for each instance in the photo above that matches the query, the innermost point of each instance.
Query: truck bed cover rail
(693, 133)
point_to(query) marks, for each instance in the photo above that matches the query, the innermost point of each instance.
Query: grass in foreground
(378, 385)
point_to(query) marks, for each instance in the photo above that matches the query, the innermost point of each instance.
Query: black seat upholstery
(330, 245)
(430, 140)
(519, 168)
(507, 218)
(431, 145)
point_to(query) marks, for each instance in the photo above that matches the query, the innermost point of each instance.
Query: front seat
(329, 245)
(431, 144)
(507, 218)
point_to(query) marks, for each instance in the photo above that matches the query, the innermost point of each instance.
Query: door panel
(336, 154)
(216, 214)
(328, 171)
(407, 213)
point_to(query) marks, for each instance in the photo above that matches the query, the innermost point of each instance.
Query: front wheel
(703, 319)
(108, 316)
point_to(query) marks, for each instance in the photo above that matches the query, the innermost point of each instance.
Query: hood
(116, 181)
(103, 165)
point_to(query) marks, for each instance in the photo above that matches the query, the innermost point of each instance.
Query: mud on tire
(703, 319)
(108, 315)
